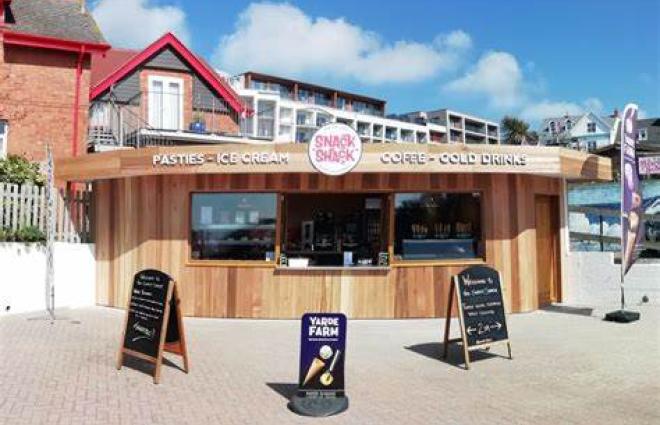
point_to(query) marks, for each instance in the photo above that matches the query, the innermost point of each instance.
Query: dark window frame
(480, 257)
(241, 262)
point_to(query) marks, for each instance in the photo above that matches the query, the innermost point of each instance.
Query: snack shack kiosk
(256, 230)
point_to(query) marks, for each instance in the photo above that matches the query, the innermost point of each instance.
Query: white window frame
(165, 80)
(5, 140)
(642, 132)
(591, 124)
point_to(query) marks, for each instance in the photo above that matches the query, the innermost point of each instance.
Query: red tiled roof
(104, 65)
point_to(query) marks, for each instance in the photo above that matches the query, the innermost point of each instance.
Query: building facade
(257, 231)
(45, 53)
(588, 132)
(648, 133)
(291, 111)
(163, 95)
(461, 128)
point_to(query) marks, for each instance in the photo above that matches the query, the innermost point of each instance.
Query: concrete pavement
(567, 369)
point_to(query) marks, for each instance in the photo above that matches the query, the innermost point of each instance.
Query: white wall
(23, 276)
(594, 280)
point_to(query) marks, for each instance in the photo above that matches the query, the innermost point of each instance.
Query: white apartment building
(462, 128)
(287, 110)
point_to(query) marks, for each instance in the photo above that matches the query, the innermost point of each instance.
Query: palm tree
(515, 130)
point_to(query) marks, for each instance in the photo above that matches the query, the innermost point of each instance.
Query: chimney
(83, 6)
(615, 113)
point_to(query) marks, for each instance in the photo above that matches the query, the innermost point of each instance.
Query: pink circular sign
(335, 149)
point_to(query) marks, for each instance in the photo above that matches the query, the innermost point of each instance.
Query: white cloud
(497, 76)
(536, 111)
(457, 39)
(282, 39)
(137, 23)
(594, 105)
(508, 88)
(546, 109)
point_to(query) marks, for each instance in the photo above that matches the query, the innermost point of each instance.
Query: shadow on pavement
(565, 309)
(146, 367)
(285, 390)
(434, 350)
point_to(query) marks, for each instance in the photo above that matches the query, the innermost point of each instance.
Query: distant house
(648, 131)
(648, 142)
(162, 95)
(587, 132)
(45, 50)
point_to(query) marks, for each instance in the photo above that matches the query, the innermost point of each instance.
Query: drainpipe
(76, 101)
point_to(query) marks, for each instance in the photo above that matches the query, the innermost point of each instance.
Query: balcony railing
(156, 120)
(475, 128)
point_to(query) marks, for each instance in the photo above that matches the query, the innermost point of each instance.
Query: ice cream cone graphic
(314, 368)
(327, 378)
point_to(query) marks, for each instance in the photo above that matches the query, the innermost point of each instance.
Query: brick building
(45, 55)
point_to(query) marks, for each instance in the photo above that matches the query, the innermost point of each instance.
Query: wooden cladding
(267, 159)
(143, 222)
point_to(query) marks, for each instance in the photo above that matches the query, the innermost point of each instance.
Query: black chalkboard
(482, 307)
(146, 311)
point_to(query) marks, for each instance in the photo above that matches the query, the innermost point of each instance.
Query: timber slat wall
(143, 222)
(24, 206)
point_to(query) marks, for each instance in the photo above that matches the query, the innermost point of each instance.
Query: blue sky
(488, 58)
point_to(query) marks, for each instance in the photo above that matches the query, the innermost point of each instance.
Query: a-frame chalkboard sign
(153, 321)
(481, 315)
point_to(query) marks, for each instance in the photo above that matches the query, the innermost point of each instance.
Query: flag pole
(50, 233)
(631, 217)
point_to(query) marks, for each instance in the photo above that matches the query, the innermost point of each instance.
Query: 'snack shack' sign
(335, 149)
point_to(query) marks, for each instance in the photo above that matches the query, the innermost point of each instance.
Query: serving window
(334, 229)
(233, 226)
(437, 226)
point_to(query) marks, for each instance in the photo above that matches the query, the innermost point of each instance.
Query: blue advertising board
(322, 359)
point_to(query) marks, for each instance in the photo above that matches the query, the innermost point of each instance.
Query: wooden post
(183, 348)
(466, 352)
(163, 333)
(450, 299)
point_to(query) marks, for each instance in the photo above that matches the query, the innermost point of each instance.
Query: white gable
(580, 128)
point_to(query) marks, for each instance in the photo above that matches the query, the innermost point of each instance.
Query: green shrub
(6, 235)
(28, 234)
(18, 170)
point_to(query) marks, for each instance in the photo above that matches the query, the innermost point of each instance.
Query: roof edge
(169, 39)
(41, 41)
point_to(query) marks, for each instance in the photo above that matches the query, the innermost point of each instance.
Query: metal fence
(604, 242)
(23, 206)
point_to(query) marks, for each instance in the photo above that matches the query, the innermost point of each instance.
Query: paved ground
(567, 369)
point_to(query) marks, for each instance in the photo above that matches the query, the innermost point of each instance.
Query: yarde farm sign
(335, 149)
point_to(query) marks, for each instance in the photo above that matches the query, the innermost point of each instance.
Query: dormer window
(642, 134)
(165, 99)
